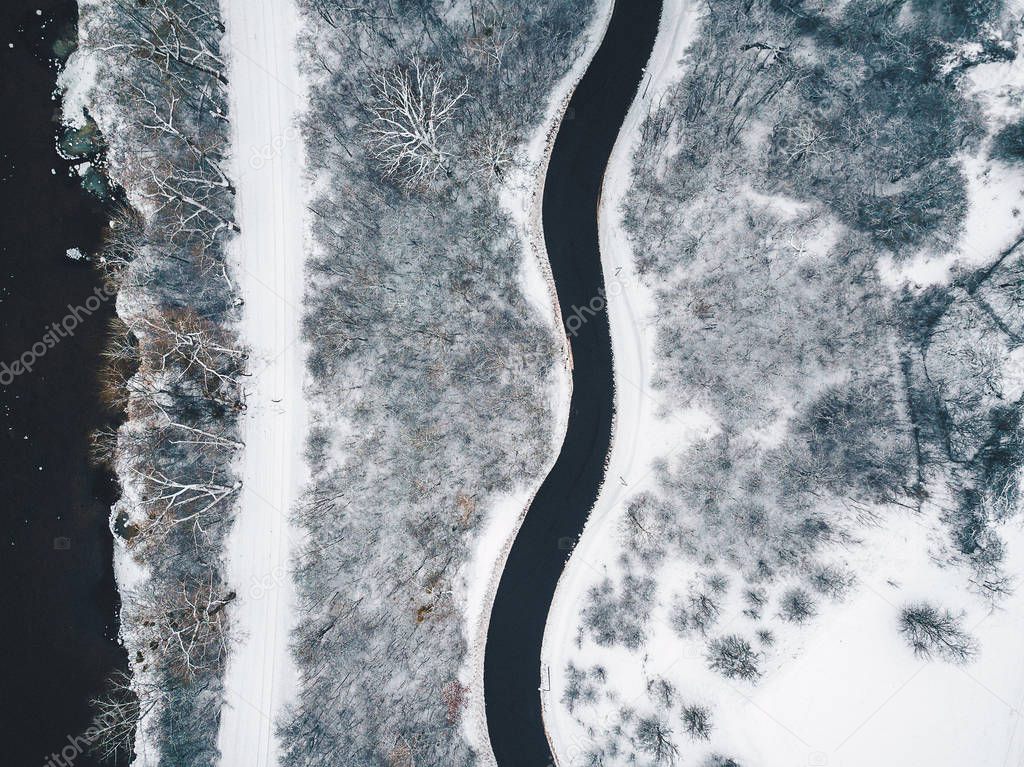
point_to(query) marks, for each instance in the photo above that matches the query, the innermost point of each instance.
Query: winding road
(512, 665)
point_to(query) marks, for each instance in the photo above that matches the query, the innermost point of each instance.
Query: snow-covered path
(265, 99)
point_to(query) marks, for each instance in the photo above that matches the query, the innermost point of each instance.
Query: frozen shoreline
(81, 95)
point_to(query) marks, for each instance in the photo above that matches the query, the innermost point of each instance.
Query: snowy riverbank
(639, 436)
(522, 198)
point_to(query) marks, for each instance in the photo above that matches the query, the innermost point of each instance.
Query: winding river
(512, 666)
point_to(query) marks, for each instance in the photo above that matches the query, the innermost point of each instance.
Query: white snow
(638, 435)
(522, 198)
(266, 98)
(844, 690)
(995, 195)
(854, 693)
(76, 82)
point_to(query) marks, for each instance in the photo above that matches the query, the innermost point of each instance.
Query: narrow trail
(265, 101)
(512, 661)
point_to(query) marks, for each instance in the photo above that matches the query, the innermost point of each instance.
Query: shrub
(619, 618)
(717, 760)
(699, 611)
(662, 691)
(697, 721)
(717, 583)
(933, 631)
(831, 581)
(644, 527)
(581, 686)
(733, 657)
(766, 637)
(797, 605)
(755, 599)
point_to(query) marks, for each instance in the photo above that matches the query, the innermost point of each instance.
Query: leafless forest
(429, 367)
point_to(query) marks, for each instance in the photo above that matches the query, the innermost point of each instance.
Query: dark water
(556, 518)
(58, 600)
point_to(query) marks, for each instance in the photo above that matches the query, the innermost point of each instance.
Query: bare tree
(642, 528)
(123, 240)
(185, 345)
(797, 605)
(493, 151)
(187, 202)
(931, 631)
(171, 502)
(733, 657)
(802, 139)
(187, 625)
(103, 446)
(655, 738)
(161, 117)
(178, 36)
(491, 46)
(411, 111)
(202, 437)
(697, 611)
(831, 581)
(697, 721)
(118, 714)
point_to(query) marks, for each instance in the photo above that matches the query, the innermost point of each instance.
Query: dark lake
(57, 594)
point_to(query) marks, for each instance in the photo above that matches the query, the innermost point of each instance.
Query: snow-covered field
(843, 689)
(266, 99)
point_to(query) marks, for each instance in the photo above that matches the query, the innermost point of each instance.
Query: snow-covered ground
(266, 97)
(994, 189)
(522, 199)
(844, 690)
